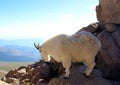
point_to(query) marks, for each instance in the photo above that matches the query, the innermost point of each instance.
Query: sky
(27, 19)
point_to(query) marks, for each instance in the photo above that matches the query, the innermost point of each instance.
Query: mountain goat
(80, 47)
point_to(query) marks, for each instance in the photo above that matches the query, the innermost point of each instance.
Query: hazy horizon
(41, 19)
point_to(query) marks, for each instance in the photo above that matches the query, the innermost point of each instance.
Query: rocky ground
(42, 73)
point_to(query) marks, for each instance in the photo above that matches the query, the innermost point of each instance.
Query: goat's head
(44, 54)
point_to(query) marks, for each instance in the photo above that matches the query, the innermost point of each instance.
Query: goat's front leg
(66, 64)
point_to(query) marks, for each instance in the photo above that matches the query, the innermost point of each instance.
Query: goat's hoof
(84, 73)
(66, 77)
(86, 76)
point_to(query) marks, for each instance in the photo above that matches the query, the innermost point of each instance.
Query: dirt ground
(2, 73)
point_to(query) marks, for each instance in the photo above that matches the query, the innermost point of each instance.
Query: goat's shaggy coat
(80, 47)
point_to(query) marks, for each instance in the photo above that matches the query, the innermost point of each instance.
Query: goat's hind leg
(90, 66)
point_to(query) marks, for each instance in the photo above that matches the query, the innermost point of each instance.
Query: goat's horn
(37, 46)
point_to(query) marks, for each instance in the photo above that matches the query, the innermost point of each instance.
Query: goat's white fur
(80, 47)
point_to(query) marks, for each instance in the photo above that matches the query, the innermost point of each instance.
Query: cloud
(66, 23)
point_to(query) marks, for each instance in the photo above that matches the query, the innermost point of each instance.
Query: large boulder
(11, 73)
(108, 59)
(94, 28)
(108, 11)
(78, 78)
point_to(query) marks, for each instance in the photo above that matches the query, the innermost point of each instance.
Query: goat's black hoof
(83, 73)
(87, 76)
(66, 77)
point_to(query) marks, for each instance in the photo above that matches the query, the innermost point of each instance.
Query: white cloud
(67, 24)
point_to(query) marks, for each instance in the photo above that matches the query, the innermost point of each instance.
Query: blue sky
(44, 18)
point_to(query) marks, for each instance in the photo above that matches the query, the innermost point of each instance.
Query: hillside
(2, 73)
(7, 66)
(18, 50)
(18, 53)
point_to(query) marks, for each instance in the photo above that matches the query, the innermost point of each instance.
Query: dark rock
(94, 28)
(78, 78)
(36, 77)
(11, 73)
(108, 59)
(110, 27)
(41, 84)
(59, 81)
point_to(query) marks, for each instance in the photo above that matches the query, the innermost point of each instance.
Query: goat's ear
(40, 48)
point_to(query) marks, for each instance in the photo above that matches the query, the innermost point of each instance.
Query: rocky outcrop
(78, 78)
(37, 73)
(52, 74)
(109, 58)
(108, 11)
(94, 28)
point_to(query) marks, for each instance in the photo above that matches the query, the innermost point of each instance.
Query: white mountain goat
(80, 47)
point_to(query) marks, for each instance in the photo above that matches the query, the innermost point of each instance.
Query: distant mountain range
(19, 50)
